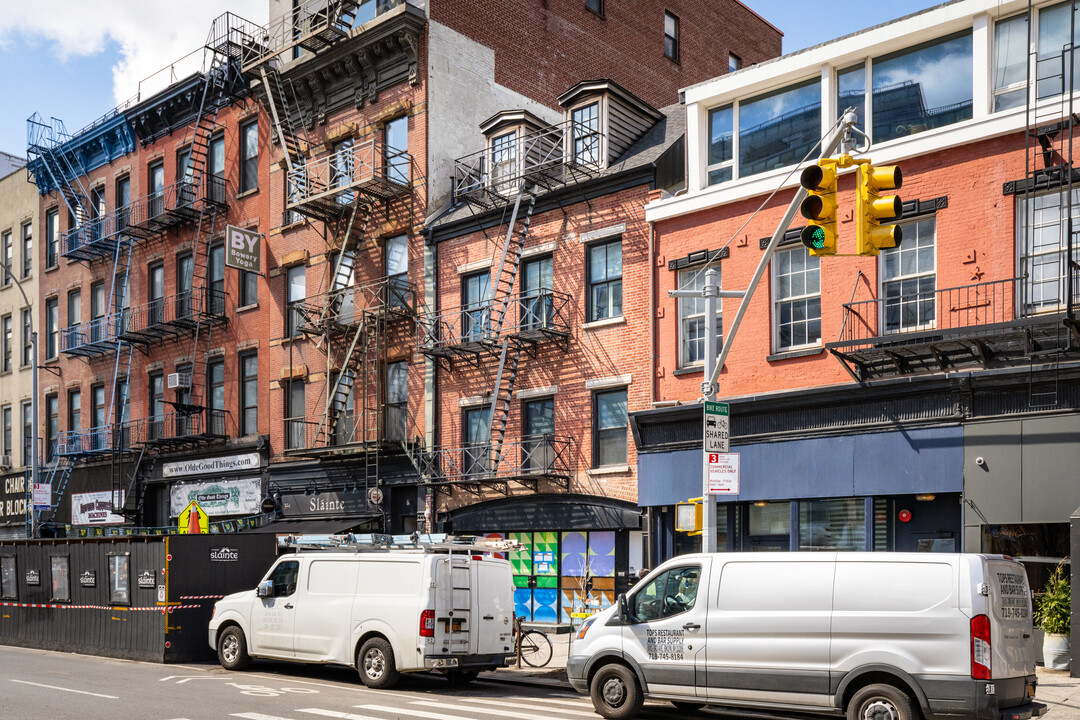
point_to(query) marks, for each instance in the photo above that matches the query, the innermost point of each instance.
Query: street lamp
(34, 468)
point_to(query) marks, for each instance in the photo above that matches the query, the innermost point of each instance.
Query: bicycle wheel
(535, 648)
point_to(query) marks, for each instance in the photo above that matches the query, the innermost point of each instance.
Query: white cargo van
(873, 636)
(382, 606)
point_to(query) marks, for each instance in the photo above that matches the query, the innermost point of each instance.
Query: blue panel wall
(889, 463)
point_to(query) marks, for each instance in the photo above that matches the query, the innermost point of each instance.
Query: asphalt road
(39, 685)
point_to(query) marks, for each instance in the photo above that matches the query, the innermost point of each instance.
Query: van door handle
(489, 617)
(288, 606)
(1027, 635)
(691, 626)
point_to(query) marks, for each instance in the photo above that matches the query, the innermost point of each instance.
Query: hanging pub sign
(242, 249)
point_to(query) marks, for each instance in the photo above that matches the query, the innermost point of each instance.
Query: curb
(554, 680)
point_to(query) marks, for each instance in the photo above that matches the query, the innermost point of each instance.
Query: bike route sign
(717, 427)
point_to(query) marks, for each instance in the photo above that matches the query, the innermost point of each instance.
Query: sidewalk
(1060, 693)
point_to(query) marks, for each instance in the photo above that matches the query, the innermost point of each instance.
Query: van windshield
(669, 593)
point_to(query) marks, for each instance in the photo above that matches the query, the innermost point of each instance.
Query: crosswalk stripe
(335, 714)
(257, 716)
(581, 702)
(533, 708)
(502, 713)
(411, 713)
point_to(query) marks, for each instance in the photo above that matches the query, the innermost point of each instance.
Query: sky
(76, 60)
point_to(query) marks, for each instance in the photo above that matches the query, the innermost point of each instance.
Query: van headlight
(584, 628)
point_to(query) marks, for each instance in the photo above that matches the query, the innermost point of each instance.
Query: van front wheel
(375, 663)
(615, 692)
(879, 702)
(232, 649)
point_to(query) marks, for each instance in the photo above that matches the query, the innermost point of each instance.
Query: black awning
(313, 527)
(546, 512)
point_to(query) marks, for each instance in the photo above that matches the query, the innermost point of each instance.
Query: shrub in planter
(1053, 615)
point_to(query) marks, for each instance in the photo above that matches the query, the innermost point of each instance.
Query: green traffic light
(817, 238)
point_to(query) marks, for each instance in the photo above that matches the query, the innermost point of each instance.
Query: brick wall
(543, 47)
(974, 243)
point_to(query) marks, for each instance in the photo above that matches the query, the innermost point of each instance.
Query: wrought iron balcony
(327, 187)
(179, 429)
(915, 331)
(558, 155)
(171, 316)
(96, 337)
(383, 431)
(92, 441)
(525, 460)
(144, 218)
(392, 298)
(533, 316)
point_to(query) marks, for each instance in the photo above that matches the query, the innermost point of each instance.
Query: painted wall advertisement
(220, 497)
(95, 508)
(13, 499)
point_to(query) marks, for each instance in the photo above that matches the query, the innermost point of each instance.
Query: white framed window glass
(585, 135)
(909, 280)
(851, 92)
(779, 128)
(120, 579)
(797, 303)
(721, 144)
(1011, 43)
(504, 161)
(1054, 49)
(692, 320)
(1041, 247)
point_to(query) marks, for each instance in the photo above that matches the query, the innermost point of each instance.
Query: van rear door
(494, 609)
(453, 603)
(1009, 607)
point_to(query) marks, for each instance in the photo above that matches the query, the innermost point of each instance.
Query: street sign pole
(708, 390)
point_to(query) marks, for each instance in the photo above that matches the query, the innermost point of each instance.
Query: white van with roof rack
(869, 636)
(382, 604)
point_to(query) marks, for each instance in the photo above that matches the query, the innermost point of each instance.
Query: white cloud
(153, 36)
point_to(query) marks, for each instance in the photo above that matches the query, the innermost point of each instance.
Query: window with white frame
(585, 135)
(504, 166)
(721, 147)
(797, 299)
(1041, 247)
(1055, 43)
(851, 93)
(692, 320)
(1010, 69)
(908, 280)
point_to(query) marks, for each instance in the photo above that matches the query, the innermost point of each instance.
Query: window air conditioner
(5, 461)
(179, 380)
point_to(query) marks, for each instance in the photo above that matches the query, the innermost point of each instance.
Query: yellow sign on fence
(193, 520)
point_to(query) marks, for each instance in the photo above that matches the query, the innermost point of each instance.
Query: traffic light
(688, 516)
(871, 208)
(819, 207)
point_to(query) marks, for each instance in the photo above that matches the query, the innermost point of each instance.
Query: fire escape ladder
(1049, 174)
(277, 104)
(502, 287)
(120, 392)
(502, 398)
(345, 262)
(46, 141)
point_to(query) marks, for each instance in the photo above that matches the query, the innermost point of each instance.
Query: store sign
(223, 497)
(33, 577)
(242, 249)
(95, 508)
(88, 578)
(13, 499)
(211, 466)
(325, 504)
(224, 554)
(147, 579)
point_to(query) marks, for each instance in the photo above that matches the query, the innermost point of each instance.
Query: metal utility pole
(711, 292)
(34, 469)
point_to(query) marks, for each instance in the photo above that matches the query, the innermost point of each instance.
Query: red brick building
(332, 132)
(922, 399)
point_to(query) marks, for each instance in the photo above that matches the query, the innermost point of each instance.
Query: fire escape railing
(323, 187)
(531, 316)
(546, 456)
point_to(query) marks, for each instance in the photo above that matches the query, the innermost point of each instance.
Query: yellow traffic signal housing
(819, 207)
(688, 517)
(871, 208)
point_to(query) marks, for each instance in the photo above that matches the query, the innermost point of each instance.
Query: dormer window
(504, 161)
(585, 135)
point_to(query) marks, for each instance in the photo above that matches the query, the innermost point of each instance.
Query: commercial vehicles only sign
(723, 476)
(717, 426)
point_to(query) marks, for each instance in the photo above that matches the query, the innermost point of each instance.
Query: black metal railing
(178, 428)
(161, 316)
(530, 456)
(533, 315)
(567, 152)
(347, 306)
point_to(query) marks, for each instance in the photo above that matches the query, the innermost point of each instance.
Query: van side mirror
(265, 589)
(624, 610)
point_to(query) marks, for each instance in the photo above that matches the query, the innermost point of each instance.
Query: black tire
(880, 702)
(535, 649)
(232, 649)
(686, 706)
(461, 678)
(375, 663)
(616, 693)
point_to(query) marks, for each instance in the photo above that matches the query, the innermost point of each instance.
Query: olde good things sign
(211, 466)
(224, 497)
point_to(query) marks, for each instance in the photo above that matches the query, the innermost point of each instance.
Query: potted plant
(1052, 614)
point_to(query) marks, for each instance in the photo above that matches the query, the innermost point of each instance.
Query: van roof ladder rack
(379, 541)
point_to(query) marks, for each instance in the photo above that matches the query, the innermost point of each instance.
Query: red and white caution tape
(201, 597)
(162, 608)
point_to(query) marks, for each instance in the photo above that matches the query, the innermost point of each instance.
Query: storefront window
(837, 524)
(1039, 546)
(120, 579)
(770, 518)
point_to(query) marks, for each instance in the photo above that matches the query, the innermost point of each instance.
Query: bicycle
(533, 647)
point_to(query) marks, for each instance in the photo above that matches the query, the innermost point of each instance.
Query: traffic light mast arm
(842, 132)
